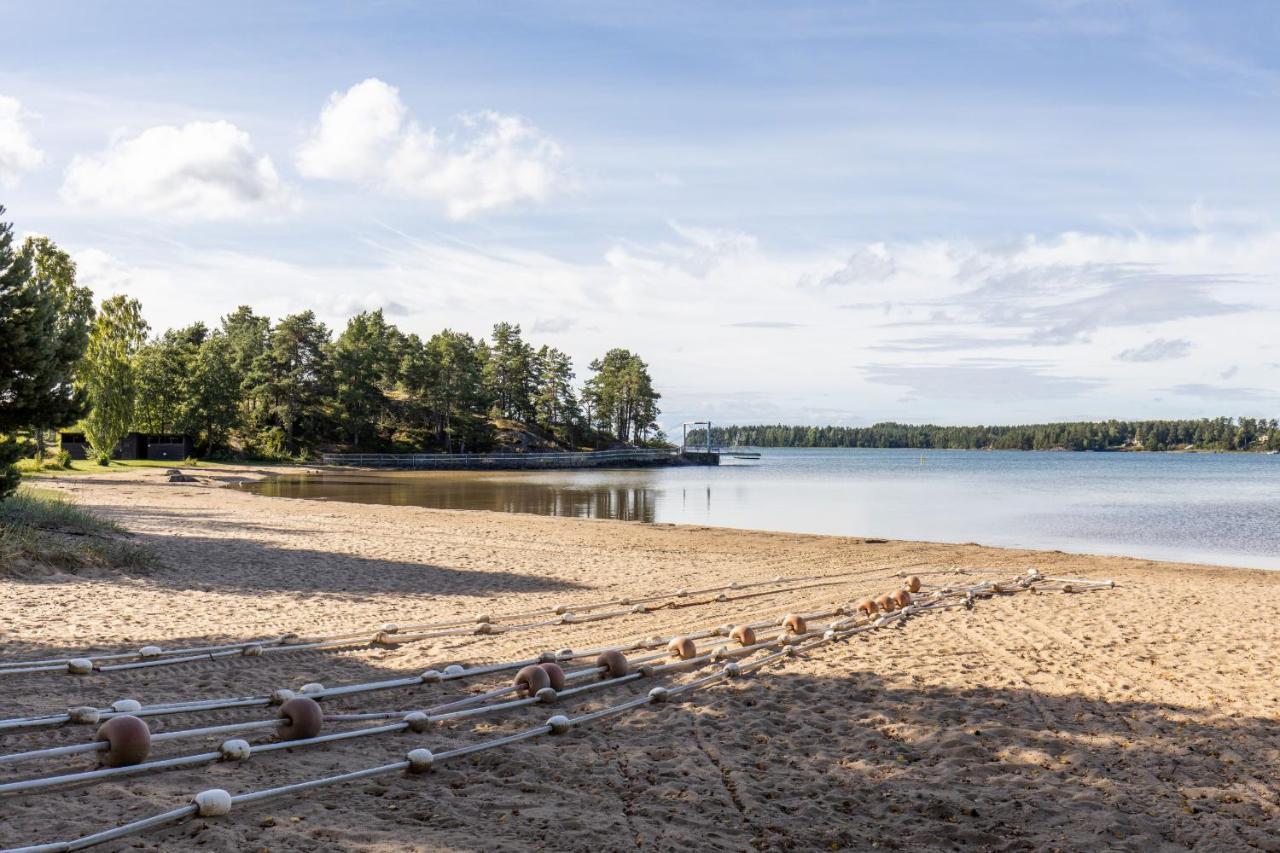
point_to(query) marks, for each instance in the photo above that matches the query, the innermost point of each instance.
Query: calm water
(1202, 507)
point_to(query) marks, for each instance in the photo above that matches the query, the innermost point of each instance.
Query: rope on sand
(93, 716)
(154, 655)
(606, 668)
(217, 802)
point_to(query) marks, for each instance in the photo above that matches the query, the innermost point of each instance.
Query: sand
(1142, 718)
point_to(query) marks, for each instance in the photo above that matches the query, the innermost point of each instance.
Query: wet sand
(1141, 718)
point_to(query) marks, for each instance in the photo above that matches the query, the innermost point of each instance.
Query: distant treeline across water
(1257, 434)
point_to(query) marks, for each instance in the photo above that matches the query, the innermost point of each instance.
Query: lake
(1210, 508)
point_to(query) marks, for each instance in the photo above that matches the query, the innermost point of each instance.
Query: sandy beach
(1139, 718)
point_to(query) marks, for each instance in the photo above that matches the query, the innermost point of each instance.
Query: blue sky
(841, 212)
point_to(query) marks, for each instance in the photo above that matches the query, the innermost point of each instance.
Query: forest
(1221, 434)
(249, 387)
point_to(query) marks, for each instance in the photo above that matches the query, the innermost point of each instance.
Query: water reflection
(1199, 507)
(499, 493)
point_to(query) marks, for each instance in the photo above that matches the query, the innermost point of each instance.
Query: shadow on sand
(780, 761)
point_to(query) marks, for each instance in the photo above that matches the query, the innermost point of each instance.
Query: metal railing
(503, 461)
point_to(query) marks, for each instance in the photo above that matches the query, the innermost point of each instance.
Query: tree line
(265, 389)
(1257, 434)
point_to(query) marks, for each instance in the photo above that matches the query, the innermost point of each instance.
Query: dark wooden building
(135, 445)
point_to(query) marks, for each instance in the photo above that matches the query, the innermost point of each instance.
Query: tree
(365, 367)
(213, 404)
(508, 372)
(555, 405)
(247, 335)
(294, 377)
(107, 375)
(54, 273)
(620, 395)
(162, 377)
(450, 378)
(42, 334)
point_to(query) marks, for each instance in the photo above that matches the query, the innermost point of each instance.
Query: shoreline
(1034, 721)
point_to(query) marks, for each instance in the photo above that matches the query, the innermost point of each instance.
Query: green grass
(40, 530)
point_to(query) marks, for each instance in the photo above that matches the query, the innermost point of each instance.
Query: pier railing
(504, 461)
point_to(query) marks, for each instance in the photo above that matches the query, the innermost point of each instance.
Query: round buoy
(312, 687)
(126, 706)
(682, 647)
(420, 760)
(128, 739)
(902, 598)
(304, 716)
(531, 679)
(913, 583)
(214, 802)
(150, 651)
(555, 673)
(235, 750)
(559, 724)
(417, 721)
(867, 607)
(84, 715)
(79, 666)
(615, 663)
(454, 669)
(658, 694)
(886, 603)
(743, 635)
(794, 623)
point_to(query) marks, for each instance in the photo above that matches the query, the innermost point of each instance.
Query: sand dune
(1142, 718)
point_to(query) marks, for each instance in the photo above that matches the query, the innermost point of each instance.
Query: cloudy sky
(822, 213)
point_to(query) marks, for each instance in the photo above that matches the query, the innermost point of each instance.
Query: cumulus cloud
(486, 161)
(18, 152)
(201, 170)
(871, 264)
(1161, 349)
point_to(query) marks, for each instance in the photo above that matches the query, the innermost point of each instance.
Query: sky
(949, 212)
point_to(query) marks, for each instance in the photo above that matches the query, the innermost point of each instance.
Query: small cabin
(135, 445)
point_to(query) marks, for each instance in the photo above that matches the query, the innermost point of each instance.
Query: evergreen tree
(294, 379)
(365, 368)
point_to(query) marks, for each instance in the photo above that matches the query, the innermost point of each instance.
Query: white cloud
(486, 162)
(1160, 349)
(18, 153)
(201, 170)
(961, 340)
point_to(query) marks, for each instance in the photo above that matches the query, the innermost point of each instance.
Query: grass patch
(42, 531)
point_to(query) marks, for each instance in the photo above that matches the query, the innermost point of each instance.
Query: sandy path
(1138, 719)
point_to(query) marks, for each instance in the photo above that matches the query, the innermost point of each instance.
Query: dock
(536, 461)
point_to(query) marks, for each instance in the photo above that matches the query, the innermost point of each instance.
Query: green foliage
(293, 379)
(107, 373)
(366, 366)
(44, 322)
(1202, 434)
(619, 397)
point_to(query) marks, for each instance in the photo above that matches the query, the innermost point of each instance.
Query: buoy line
(218, 802)
(540, 683)
(92, 716)
(681, 647)
(394, 634)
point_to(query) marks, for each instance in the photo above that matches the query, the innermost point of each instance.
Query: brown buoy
(743, 635)
(129, 741)
(913, 583)
(615, 664)
(794, 623)
(902, 598)
(304, 716)
(886, 603)
(555, 673)
(531, 679)
(682, 647)
(867, 607)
